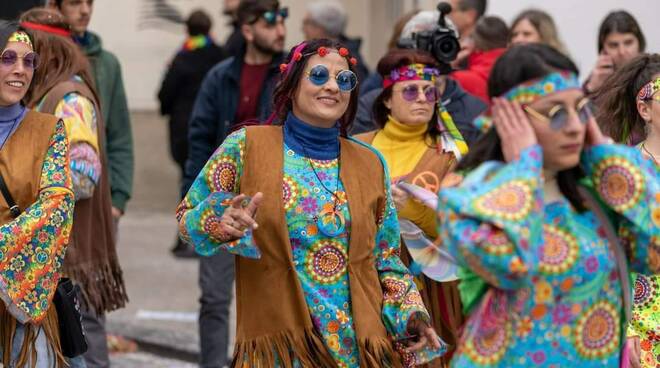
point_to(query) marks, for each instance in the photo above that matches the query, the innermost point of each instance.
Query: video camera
(441, 41)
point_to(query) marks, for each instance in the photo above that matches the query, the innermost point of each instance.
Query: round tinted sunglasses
(411, 92)
(271, 16)
(10, 57)
(320, 75)
(557, 117)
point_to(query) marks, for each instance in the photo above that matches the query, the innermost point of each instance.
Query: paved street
(163, 292)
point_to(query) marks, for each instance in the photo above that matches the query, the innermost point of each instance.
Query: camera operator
(431, 31)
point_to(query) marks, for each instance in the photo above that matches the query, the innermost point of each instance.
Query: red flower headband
(322, 51)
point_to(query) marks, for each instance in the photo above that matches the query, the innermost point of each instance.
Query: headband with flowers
(321, 51)
(648, 90)
(20, 36)
(411, 72)
(530, 91)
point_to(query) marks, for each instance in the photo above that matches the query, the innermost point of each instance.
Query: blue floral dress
(554, 297)
(321, 261)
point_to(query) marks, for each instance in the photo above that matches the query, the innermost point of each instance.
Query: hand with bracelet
(239, 216)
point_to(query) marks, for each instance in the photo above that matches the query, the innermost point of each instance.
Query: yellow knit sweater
(403, 146)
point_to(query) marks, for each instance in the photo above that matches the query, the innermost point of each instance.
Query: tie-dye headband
(532, 90)
(649, 90)
(20, 36)
(411, 72)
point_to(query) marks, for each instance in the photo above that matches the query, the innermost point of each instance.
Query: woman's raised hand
(239, 217)
(513, 127)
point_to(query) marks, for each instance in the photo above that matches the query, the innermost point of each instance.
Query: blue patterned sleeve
(401, 299)
(492, 223)
(629, 184)
(216, 185)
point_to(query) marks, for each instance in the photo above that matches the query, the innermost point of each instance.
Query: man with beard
(238, 89)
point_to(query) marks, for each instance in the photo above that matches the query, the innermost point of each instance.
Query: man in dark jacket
(238, 89)
(179, 89)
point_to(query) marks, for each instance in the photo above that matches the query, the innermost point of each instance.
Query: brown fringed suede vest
(273, 317)
(442, 300)
(91, 258)
(21, 162)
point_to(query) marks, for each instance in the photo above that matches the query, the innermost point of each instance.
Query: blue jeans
(45, 357)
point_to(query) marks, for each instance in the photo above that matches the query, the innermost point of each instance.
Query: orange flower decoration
(322, 51)
(343, 51)
(283, 68)
(353, 61)
(297, 56)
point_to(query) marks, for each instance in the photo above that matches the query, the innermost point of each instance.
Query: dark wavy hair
(392, 60)
(517, 65)
(617, 99)
(290, 82)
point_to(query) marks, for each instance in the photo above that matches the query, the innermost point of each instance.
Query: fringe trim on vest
(285, 347)
(103, 289)
(27, 356)
(378, 352)
(308, 348)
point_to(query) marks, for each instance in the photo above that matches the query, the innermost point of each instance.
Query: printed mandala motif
(597, 331)
(222, 175)
(619, 183)
(289, 192)
(326, 261)
(559, 250)
(512, 201)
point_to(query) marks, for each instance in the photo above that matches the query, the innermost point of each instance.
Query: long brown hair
(287, 87)
(60, 58)
(544, 25)
(617, 99)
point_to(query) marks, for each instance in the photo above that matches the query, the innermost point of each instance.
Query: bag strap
(14, 210)
(615, 247)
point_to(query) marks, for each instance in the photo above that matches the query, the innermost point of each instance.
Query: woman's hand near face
(240, 215)
(513, 127)
(594, 135)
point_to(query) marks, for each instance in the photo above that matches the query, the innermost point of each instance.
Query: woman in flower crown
(34, 230)
(410, 139)
(629, 109)
(549, 218)
(308, 214)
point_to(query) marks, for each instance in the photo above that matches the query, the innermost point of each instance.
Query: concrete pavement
(162, 313)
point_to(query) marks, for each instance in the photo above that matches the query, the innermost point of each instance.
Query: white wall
(578, 21)
(144, 50)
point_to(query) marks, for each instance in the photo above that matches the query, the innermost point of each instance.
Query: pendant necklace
(649, 153)
(330, 221)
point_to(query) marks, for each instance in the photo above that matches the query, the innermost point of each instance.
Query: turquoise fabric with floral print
(320, 261)
(554, 297)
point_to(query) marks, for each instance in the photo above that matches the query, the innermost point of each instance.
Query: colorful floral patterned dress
(320, 260)
(554, 298)
(32, 246)
(646, 316)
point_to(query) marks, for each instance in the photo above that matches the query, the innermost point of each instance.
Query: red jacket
(474, 79)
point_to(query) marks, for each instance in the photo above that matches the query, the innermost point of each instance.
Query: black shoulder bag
(72, 334)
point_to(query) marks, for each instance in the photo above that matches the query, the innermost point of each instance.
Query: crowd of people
(475, 205)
